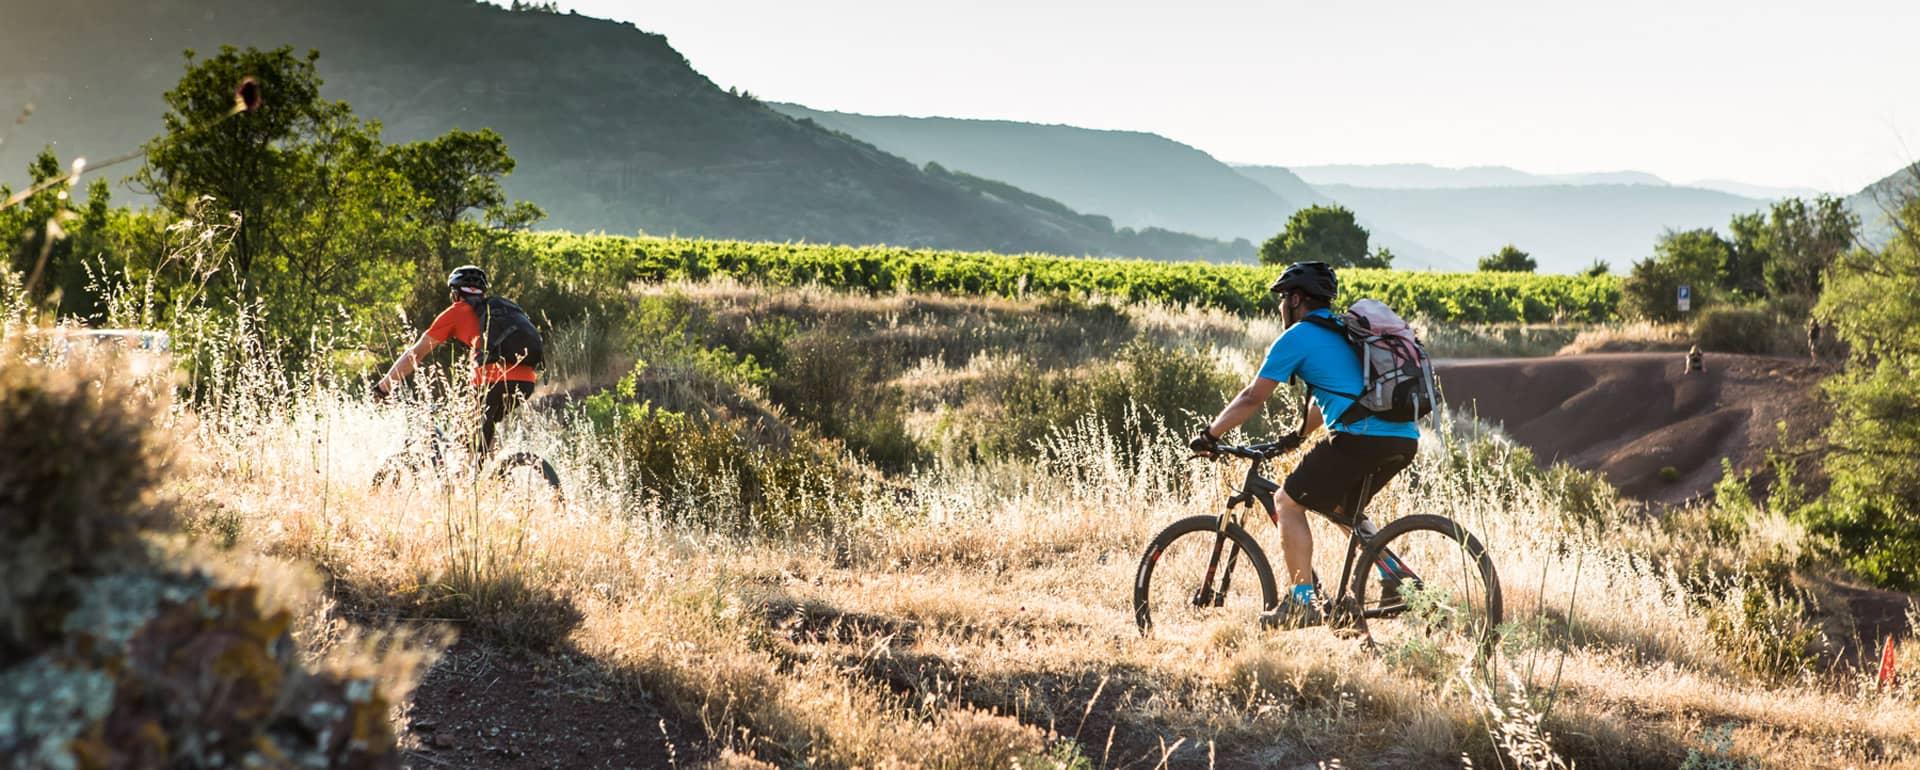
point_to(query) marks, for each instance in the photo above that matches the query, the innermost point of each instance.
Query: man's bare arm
(405, 365)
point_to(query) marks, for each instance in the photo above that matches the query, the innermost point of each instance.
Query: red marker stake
(1886, 663)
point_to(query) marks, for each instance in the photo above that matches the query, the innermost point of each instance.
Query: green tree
(1324, 234)
(245, 162)
(1509, 259)
(458, 177)
(1873, 457)
(1680, 258)
(1801, 241)
(457, 173)
(1597, 269)
(47, 240)
(1744, 273)
(330, 226)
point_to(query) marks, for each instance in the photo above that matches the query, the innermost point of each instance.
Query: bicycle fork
(1207, 596)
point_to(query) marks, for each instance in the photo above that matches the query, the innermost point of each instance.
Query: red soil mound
(1630, 415)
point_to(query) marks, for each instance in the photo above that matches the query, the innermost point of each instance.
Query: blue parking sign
(1685, 296)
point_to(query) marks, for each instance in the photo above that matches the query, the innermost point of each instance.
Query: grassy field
(972, 610)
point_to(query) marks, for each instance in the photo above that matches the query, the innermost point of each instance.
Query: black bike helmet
(468, 279)
(1314, 279)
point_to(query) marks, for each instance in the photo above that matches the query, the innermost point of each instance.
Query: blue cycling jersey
(1328, 364)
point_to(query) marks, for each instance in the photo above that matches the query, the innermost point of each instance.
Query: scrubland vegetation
(873, 507)
(932, 568)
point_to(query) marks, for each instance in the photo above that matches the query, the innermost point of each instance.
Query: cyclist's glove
(1289, 443)
(1205, 443)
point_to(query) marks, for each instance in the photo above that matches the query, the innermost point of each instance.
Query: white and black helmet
(468, 279)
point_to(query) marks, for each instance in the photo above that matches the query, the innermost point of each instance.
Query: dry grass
(1629, 337)
(984, 620)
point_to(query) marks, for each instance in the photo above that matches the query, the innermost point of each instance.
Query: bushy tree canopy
(1323, 234)
(331, 221)
(1681, 258)
(1801, 241)
(1509, 259)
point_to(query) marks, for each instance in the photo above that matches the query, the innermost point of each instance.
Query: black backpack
(507, 335)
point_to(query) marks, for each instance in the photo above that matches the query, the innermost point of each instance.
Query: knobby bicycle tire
(1469, 549)
(399, 465)
(530, 460)
(1208, 527)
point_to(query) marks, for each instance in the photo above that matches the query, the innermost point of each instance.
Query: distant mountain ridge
(1135, 178)
(1423, 176)
(1564, 227)
(1138, 179)
(611, 127)
(1760, 191)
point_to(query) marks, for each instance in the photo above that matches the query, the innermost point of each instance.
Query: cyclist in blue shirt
(1329, 478)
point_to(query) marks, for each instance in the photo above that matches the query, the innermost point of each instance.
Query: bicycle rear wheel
(1193, 572)
(1425, 583)
(526, 473)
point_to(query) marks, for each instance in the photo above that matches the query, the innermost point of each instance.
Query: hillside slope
(1564, 227)
(1138, 179)
(1631, 415)
(1873, 202)
(613, 129)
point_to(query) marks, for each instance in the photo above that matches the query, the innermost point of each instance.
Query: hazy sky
(1822, 94)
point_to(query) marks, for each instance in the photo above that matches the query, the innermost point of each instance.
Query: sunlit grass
(984, 619)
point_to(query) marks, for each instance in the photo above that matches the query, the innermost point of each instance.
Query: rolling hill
(613, 129)
(1874, 201)
(1138, 179)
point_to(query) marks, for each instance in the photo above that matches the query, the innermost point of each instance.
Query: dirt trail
(1630, 415)
(484, 708)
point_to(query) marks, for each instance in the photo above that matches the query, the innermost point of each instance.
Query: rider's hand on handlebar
(1204, 444)
(379, 393)
(1289, 443)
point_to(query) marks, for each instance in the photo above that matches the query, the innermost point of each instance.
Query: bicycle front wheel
(1426, 585)
(1194, 572)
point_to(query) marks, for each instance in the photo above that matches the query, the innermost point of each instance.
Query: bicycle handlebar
(1265, 451)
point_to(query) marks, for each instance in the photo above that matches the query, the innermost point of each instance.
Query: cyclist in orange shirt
(505, 347)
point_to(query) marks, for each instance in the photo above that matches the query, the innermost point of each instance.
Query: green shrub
(1766, 631)
(1144, 383)
(837, 385)
(1168, 384)
(1726, 329)
(715, 474)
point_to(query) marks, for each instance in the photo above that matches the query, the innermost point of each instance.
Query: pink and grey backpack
(1396, 375)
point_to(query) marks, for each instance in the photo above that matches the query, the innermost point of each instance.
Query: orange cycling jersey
(459, 322)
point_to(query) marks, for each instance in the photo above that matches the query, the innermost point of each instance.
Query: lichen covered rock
(114, 651)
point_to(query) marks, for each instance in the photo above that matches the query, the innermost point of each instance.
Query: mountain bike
(426, 458)
(1435, 583)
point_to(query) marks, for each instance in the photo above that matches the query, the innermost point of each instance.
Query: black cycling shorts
(502, 397)
(1330, 476)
